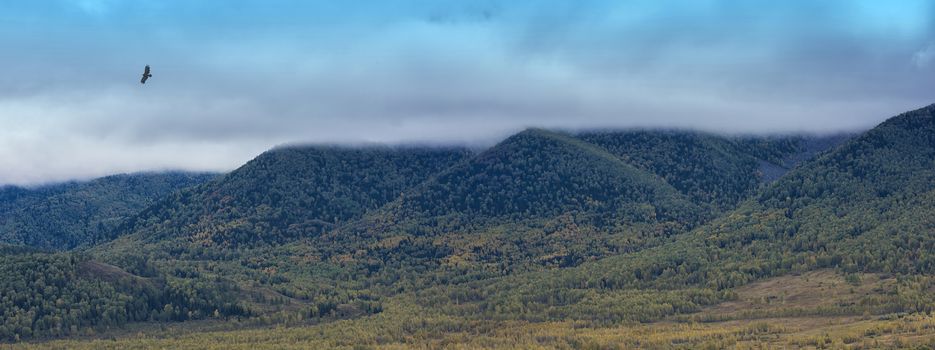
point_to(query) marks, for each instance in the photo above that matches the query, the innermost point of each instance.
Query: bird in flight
(146, 75)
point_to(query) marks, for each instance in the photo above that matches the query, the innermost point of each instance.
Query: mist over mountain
(231, 81)
(479, 174)
(595, 228)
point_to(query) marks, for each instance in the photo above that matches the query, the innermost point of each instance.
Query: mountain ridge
(545, 226)
(72, 214)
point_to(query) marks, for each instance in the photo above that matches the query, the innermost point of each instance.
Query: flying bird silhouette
(146, 75)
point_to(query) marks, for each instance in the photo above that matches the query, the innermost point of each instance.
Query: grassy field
(908, 331)
(811, 310)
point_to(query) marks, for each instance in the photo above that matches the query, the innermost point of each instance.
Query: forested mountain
(867, 206)
(616, 183)
(543, 174)
(596, 228)
(711, 170)
(537, 198)
(289, 193)
(542, 198)
(808, 147)
(64, 216)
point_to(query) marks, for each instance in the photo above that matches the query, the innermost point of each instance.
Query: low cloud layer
(233, 78)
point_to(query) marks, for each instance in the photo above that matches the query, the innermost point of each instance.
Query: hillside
(600, 228)
(542, 174)
(546, 199)
(867, 206)
(538, 198)
(711, 170)
(808, 148)
(289, 193)
(65, 216)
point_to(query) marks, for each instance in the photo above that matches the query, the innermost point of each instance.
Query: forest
(63, 294)
(69, 215)
(551, 239)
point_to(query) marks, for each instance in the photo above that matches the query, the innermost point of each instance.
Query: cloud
(924, 57)
(232, 78)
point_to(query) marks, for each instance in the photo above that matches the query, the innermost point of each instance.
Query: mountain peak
(540, 173)
(920, 118)
(292, 192)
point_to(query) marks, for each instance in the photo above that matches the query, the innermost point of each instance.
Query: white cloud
(924, 58)
(230, 82)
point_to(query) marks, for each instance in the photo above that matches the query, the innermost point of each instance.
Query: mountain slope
(868, 205)
(544, 225)
(537, 198)
(68, 215)
(711, 170)
(542, 174)
(809, 147)
(289, 193)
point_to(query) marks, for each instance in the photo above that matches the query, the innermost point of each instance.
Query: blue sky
(235, 77)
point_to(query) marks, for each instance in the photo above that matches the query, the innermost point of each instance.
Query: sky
(232, 78)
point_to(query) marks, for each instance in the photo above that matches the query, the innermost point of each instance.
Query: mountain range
(600, 228)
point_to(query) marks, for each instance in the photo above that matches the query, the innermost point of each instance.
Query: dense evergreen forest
(291, 192)
(65, 216)
(713, 171)
(582, 230)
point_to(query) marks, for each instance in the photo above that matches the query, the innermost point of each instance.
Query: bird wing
(145, 76)
(146, 70)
